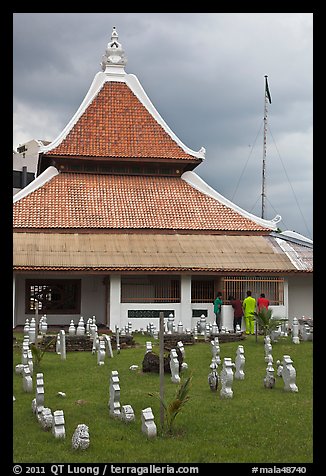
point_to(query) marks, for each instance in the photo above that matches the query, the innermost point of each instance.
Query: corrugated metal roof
(141, 251)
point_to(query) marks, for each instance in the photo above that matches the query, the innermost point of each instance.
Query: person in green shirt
(217, 309)
(249, 307)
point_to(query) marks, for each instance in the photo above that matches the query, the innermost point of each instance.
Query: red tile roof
(83, 201)
(117, 124)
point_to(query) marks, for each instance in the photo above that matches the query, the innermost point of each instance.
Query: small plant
(172, 409)
(266, 322)
(39, 352)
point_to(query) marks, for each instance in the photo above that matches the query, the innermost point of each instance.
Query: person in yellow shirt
(249, 307)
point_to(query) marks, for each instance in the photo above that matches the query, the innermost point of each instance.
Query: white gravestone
(268, 351)
(148, 347)
(31, 331)
(27, 380)
(63, 344)
(148, 425)
(295, 331)
(58, 425)
(96, 342)
(30, 361)
(114, 402)
(181, 348)
(81, 327)
(26, 328)
(213, 376)
(170, 324)
(117, 339)
(101, 353)
(46, 419)
(227, 378)
(72, 329)
(180, 328)
(279, 368)
(25, 350)
(39, 397)
(269, 379)
(174, 366)
(80, 438)
(289, 374)
(108, 346)
(202, 325)
(127, 413)
(57, 345)
(239, 363)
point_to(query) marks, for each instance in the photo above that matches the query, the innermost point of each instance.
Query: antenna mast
(267, 98)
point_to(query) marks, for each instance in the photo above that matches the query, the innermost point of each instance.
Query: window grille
(202, 290)
(237, 286)
(150, 289)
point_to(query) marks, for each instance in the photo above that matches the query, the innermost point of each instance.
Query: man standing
(217, 309)
(237, 312)
(249, 307)
(262, 302)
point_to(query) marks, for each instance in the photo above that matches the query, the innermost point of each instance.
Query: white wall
(300, 296)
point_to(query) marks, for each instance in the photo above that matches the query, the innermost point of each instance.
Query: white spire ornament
(114, 54)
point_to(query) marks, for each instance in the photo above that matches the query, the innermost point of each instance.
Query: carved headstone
(213, 376)
(295, 331)
(108, 346)
(148, 425)
(81, 327)
(149, 347)
(72, 329)
(174, 366)
(46, 419)
(170, 324)
(101, 353)
(27, 380)
(239, 363)
(63, 344)
(269, 379)
(289, 374)
(226, 377)
(127, 413)
(80, 438)
(58, 425)
(114, 402)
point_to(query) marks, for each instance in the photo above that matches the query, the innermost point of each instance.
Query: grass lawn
(257, 425)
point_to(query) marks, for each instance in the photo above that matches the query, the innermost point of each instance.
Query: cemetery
(249, 399)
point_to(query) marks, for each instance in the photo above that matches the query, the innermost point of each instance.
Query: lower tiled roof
(90, 201)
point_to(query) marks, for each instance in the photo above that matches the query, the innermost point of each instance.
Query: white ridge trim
(42, 179)
(198, 183)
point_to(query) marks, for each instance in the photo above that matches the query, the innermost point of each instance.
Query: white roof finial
(114, 53)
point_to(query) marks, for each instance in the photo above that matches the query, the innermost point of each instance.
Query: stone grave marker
(58, 425)
(148, 425)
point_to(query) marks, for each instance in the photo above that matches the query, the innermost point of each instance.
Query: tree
(266, 322)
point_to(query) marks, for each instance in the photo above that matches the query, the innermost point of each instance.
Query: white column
(14, 301)
(185, 308)
(286, 300)
(115, 305)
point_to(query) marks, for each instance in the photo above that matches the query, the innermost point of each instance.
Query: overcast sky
(204, 73)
